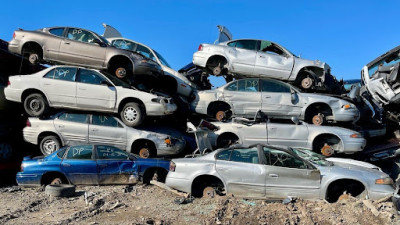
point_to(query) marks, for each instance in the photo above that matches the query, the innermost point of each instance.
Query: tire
(36, 105)
(132, 115)
(34, 56)
(324, 147)
(49, 145)
(145, 151)
(60, 190)
(306, 83)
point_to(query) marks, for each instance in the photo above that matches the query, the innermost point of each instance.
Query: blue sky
(345, 34)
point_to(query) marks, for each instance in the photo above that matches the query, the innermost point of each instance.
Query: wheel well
(149, 173)
(333, 138)
(215, 59)
(49, 176)
(214, 106)
(203, 181)
(118, 60)
(322, 107)
(32, 46)
(127, 100)
(48, 133)
(225, 135)
(315, 72)
(337, 187)
(137, 144)
(31, 91)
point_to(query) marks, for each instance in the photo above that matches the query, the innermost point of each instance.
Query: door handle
(61, 126)
(95, 129)
(82, 89)
(66, 164)
(273, 175)
(67, 43)
(46, 84)
(239, 127)
(272, 128)
(267, 96)
(261, 56)
(228, 95)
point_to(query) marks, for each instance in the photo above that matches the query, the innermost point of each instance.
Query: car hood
(315, 63)
(347, 169)
(384, 56)
(223, 35)
(110, 32)
(348, 162)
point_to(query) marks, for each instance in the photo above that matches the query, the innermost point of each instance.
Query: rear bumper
(28, 179)
(180, 184)
(13, 94)
(200, 59)
(30, 135)
(14, 46)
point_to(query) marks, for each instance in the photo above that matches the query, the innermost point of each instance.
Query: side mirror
(295, 120)
(294, 98)
(97, 41)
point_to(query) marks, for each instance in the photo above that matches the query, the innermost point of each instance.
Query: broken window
(276, 157)
(249, 155)
(145, 51)
(274, 86)
(224, 155)
(233, 86)
(248, 85)
(246, 44)
(123, 44)
(271, 48)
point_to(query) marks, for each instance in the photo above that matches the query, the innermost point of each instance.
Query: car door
(287, 133)
(242, 55)
(80, 47)
(52, 46)
(114, 166)
(244, 96)
(94, 91)
(73, 127)
(80, 166)
(251, 134)
(242, 172)
(106, 129)
(277, 99)
(60, 87)
(288, 175)
(272, 61)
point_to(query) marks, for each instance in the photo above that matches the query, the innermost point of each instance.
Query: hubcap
(49, 146)
(217, 70)
(33, 58)
(220, 115)
(327, 150)
(120, 72)
(130, 114)
(35, 105)
(306, 83)
(144, 153)
(209, 192)
(318, 119)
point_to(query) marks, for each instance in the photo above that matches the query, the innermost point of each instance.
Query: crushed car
(90, 165)
(275, 98)
(321, 139)
(85, 89)
(259, 58)
(71, 128)
(263, 171)
(80, 47)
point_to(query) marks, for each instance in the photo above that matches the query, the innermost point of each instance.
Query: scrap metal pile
(95, 105)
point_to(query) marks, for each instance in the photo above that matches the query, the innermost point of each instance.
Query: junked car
(72, 128)
(321, 139)
(263, 171)
(181, 84)
(275, 98)
(85, 89)
(260, 58)
(80, 47)
(90, 165)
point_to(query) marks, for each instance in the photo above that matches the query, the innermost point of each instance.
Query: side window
(224, 155)
(249, 155)
(248, 85)
(233, 86)
(276, 157)
(80, 35)
(57, 31)
(273, 86)
(90, 77)
(74, 117)
(109, 152)
(232, 44)
(144, 51)
(80, 152)
(104, 120)
(123, 44)
(271, 48)
(246, 44)
(62, 73)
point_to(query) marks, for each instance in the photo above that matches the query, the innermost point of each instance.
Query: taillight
(14, 35)
(200, 48)
(8, 83)
(172, 166)
(21, 168)
(28, 123)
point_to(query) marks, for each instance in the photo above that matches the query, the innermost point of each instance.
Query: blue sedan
(90, 165)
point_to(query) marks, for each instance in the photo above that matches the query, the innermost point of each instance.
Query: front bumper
(160, 109)
(145, 68)
(352, 145)
(346, 115)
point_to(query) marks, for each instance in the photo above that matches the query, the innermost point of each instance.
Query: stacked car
(276, 113)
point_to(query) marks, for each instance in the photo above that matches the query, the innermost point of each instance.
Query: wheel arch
(141, 141)
(315, 105)
(340, 181)
(213, 106)
(131, 99)
(321, 135)
(315, 72)
(49, 175)
(29, 91)
(204, 180)
(224, 134)
(149, 172)
(118, 58)
(214, 57)
(32, 45)
(50, 133)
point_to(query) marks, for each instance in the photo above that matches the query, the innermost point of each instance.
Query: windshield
(162, 60)
(116, 81)
(387, 61)
(312, 157)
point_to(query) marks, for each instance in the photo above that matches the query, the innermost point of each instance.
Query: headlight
(158, 99)
(168, 141)
(386, 180)
(347, 106)
(356, 135)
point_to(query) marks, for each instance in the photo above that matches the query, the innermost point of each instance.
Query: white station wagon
(85, 89)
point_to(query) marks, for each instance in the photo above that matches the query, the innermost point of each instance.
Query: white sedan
(85, 89)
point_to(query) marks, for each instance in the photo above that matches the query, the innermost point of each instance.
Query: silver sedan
(74, 128)
(276, 99)
(262, 171)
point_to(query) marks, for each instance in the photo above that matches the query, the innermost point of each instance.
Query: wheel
(56, 181)
(226, 140)
(209, 192)
(49, 145)
(120, 72)
(217, 70)
(318, 119)
(307, 83)
(132, 115)
(34, 58)
(222, 114)
(36, 105)
(326, 146)
(327, 150)
(144, 152)
(60, 190)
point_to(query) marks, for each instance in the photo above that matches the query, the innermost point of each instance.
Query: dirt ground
(148, 204)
